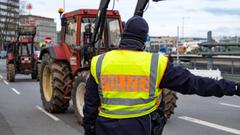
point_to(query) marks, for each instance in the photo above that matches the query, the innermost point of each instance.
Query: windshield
(111, 34)
(24, 49)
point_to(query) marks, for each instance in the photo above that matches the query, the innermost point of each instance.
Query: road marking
(48, 114)
(1, 76)
(16, 91)
(212, 125)
(5, 82)
(230, 105)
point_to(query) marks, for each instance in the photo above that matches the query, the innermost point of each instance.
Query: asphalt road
(21, 113)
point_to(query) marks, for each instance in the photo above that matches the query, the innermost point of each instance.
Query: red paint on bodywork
(10, 56)
(59, 52)
(90, 12)
(24, 41)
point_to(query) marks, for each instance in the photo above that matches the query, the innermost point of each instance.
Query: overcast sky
(220, 16)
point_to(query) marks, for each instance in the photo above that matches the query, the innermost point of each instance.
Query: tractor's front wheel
(55, 86)
(11, 72)
(78, 94)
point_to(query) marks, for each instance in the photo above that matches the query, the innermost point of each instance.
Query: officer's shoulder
(96, 57)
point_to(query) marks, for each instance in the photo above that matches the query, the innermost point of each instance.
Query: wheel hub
(80, 97)
(47, 83)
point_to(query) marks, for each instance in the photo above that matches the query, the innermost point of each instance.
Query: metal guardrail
(231, 77)
(219, 53)
(228, 65)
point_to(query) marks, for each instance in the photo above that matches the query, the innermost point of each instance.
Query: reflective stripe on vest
(128, 95)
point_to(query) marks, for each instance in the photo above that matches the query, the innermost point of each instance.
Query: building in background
(165, 44)
(46, 27)
(9, 18)
(58, 37)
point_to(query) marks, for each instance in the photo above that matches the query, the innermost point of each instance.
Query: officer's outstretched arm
(182, 81)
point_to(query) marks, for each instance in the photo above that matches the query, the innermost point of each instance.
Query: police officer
(123, 88)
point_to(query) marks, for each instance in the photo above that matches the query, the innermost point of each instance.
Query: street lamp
(183, 25)
(64, 5)
(177, 45)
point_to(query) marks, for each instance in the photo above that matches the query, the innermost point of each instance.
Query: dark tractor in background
(21, 56)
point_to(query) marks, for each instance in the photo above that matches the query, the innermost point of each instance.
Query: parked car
(3, 54)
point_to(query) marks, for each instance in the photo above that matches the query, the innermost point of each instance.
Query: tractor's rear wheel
(78, 94)
(55, 86)
(11, 72)
(46, 57)
(170, 99)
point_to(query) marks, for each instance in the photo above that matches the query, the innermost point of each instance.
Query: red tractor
(21, 55)
(65, 67)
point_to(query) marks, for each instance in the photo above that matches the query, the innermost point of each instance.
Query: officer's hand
(238, 89)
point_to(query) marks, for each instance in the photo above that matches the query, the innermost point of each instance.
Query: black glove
(238, 89)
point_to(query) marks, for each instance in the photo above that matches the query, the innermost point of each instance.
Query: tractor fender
(56, 52)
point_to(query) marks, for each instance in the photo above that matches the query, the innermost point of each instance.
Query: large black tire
(55, 86)
(11, 72)
(38, 70)
(170, 99)
(34, 75)
(78, 94)
(46, 57)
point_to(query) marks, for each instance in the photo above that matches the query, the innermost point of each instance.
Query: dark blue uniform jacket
(175, 78)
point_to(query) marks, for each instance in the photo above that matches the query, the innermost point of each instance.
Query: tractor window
(71, 31)
(87, 28)
(113, 33)
(10, 47)
(25, 49)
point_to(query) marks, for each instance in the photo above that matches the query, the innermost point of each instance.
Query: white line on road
(16, 91)
(230, 105)
(48, 114)
(212, 125)
(1, 76)
(5, 82)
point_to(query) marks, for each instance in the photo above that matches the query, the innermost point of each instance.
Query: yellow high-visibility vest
(128, 82)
